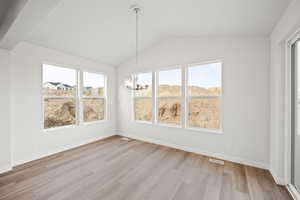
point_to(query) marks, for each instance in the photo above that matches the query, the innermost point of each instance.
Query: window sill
(59, 128)
(169, 125)
(203, 130)
(73, 126)
(144, 122)
(180, 127)
(93, 122)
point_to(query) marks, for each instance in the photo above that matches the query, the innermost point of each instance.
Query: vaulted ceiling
(103, 30)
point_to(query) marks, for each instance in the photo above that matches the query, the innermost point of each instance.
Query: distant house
(87, 89)
(58, 86)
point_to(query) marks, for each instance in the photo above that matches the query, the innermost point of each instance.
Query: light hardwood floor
(114, 169)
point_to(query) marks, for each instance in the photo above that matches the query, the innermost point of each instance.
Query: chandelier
(131, 82)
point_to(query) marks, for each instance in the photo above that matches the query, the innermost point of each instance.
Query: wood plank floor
(114, 169)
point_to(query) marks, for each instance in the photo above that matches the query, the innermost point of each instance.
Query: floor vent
(219, 162)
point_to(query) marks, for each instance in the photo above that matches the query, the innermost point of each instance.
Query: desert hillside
(167, 90)
(62, 111)
(203, 112)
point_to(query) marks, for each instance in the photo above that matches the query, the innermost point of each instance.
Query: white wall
(29, 140)
(5, 153)
(246, 97)
(287, 25)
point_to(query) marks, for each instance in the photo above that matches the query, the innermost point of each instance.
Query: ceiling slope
(22, 18)
(104, 30)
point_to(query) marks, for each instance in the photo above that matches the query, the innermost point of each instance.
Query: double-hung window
(169, 96)
(59, 96)
(93, 96)
(71, 96)
(189, 96)
(143, 98)
(204, 90)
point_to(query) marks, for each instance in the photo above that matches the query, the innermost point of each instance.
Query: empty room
(149, 100)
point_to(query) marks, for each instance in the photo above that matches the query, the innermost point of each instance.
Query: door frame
(288, 114)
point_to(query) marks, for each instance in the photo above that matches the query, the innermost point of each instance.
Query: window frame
(184, 98)
(77, 97)
(157, 97)
(43, 97)
(82, 97)
(188, 98)
(133, 97)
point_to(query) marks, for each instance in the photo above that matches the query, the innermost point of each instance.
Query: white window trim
(288, 42)
(77, 97)
(81, 97)
(220, 130)
(184, 98)
(155, 98)
(59, 128)
(169, 97)
(171, 125)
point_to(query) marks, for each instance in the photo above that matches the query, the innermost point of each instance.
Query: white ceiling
(104, 29)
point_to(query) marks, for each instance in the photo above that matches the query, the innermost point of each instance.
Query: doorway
(295, 111)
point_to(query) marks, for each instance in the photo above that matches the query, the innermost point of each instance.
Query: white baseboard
(68, 147)
(278, 180)
(5, 168)
(189, 149)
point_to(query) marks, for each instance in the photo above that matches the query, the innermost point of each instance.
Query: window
(188, 97)
(59, 96)
(93, 97)
(143, 98)
(169, 96)
(204, 95)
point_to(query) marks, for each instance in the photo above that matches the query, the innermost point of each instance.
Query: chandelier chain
(137, 36)
(131, 81)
